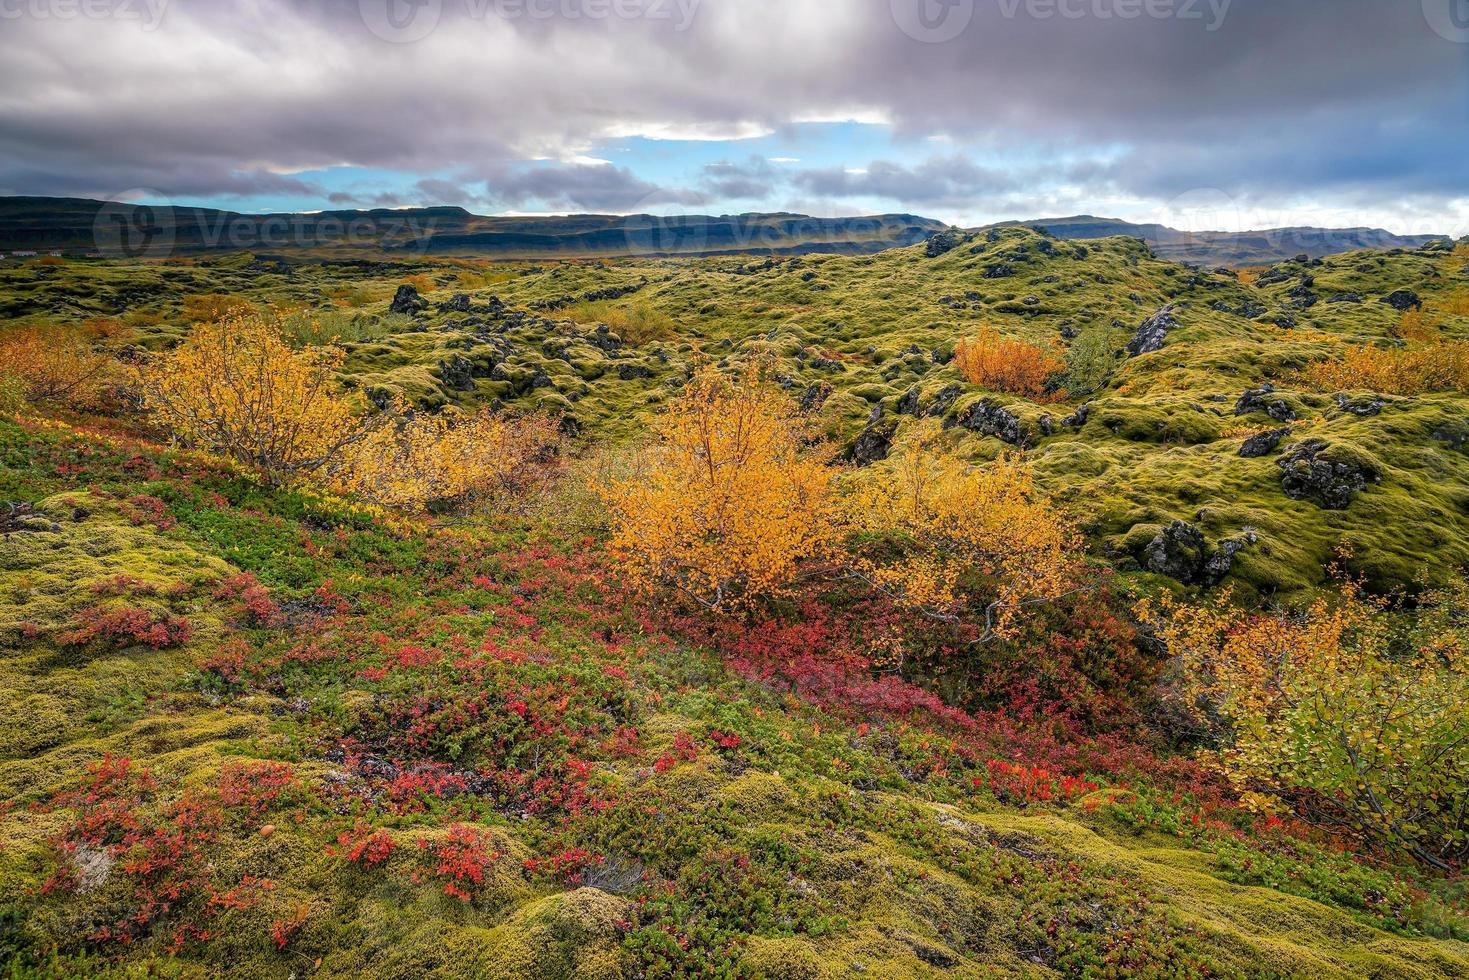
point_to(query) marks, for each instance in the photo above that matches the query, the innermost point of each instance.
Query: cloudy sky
(1226, 114)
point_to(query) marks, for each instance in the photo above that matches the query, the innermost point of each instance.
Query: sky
(1199, 114)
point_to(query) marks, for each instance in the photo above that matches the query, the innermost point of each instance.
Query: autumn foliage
(1002, 364)
(730, 499)
(57, 365)
(1413, 370)
(962, 540)
(446, 459)
(235, 387)
(1335, 708)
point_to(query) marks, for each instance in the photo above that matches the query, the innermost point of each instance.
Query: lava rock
(990, 419)
(406, 300)
(458, 303)
(1366, 406)
(944, 400)
(1264, 443)
(1178, 551)
(1181, 552)
(1402, 300)
(944, 241)
(457, 373)
(1153, 331)
(815, 396)
(874, 443)
(633, 372)
(1259, 400)
(1308, 475)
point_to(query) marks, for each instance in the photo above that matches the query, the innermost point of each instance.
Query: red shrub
(125, 626)
(254, 786)
(462, 861)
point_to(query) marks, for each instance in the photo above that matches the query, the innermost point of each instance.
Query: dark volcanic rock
(1264, 443)
(1178, 551)
(874, 443)
(1181, 552)
(457, 373)
(944, 400)
(1366, 406)
(633, 372)
(407, 300)
(944, 241)
(990, 419)
(1332, 483)
(815, 396)
(1153, 331)
(1260, 400)
(1403, 300)
(1344, 298)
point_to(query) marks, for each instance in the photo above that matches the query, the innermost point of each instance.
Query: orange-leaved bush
(1413, 370)
(57, 365)
(956, 541)
(235, 387)
(424, 460)
(1340, 708)
(730, 499)
(1003, 364)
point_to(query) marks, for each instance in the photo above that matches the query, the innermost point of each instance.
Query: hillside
(124, 230)
(357, 747)
(1230, 248)
(1158, 441)
(260, 727)
(119, 230)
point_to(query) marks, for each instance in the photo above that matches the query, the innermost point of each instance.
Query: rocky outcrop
(1263, 443)
(944, 241)
(1308, 473)
(874, 443)
(457, 373)
(988, 418)
(1262, 399)
(1181, 552)
(1402, 300)
(815, 396)
(1365, 406)
(1153, 331)
(406, 300)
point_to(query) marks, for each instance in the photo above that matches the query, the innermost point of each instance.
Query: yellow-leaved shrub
(1004, 364)
(1413, 370)
(422, 461)
(236, 387)
(1358, 720)
(58, 365)
(957, 541)
(729, 499)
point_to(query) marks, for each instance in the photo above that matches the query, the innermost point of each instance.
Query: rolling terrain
(118, 230)
(271, 731)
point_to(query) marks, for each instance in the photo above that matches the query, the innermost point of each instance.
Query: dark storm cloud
(752, 178)
(943, 180)
(1259, 97)
(591, 187)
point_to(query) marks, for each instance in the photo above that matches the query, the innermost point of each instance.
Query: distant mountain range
(1231, 248)
(79, 226)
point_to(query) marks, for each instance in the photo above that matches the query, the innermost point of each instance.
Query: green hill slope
(866, 342)
(363, 747)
